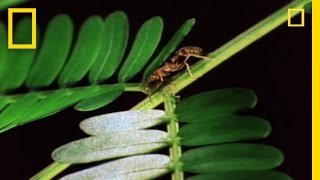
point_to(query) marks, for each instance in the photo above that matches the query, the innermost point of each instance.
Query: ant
(175, 64)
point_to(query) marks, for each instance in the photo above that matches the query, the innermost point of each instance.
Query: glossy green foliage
(3, 51)
(61, 58)
(215, 103)
(14, 73)
(53, 52)
(10, 3)
(4, 101)
(115, 40)
(243, 175)
(308, 8)
(9, 116)
(224, 129)
(231, 157)
(215, 123)
(101, 97)
(85, 52)
(144, 45)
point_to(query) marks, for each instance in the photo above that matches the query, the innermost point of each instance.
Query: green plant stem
(173, 129)
(50, 171)
(224, 52)
(202, 67)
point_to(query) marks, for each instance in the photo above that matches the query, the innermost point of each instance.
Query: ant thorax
(173, 66)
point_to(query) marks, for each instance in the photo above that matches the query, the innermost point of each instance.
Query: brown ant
(175, 64)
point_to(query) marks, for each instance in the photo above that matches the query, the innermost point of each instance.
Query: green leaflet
(170, 47)
(51, 104)
(19, 61)
(111, 145)
(122, 121)
(55, 102)
(115, 40)
(224, 129)
(308, 7)
(53, 53)
(45, 106)
(10, 115)
(102, 97)
(243, 175)
(3, 53)
(10, 3)
(215, 103)
(144, 45)
(231, 157)
(4, 101)
(84, 53)
(126, 168)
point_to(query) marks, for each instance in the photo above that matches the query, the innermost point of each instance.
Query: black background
(277, 67)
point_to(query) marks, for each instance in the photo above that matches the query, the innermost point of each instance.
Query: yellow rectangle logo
(33, 44)
(295, 11)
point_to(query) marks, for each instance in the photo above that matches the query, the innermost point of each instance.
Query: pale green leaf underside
(133, 168)
(242, 175)
(122, 121)
(112, 145)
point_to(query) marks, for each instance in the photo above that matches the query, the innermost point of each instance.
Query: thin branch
(223, 53)
(202, 67)
(173, 129)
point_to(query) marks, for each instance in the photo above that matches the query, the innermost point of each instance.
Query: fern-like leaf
(95, 54)
(214, 132)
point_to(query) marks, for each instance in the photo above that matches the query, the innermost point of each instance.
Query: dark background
(277, 67)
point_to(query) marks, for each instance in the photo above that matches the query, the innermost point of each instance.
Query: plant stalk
(173, 129)
(202, 67)
(51, 171)
(223, 53)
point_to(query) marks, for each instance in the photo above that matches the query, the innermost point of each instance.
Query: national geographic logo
(33, 44)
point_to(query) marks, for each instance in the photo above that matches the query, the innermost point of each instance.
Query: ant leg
(188, 69)
(161, 78)
(199, 56)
